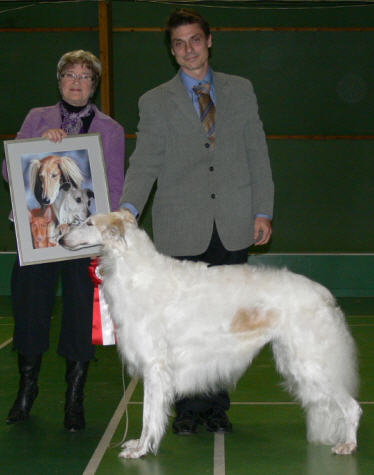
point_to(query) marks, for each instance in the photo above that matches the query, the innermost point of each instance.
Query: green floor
(269, 429)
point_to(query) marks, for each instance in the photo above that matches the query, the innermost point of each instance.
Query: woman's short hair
(85, 58)
(185, 17)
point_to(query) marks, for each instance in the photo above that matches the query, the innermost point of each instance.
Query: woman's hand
(55, 135)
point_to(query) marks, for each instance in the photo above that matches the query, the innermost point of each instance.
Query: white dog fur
(188, 328)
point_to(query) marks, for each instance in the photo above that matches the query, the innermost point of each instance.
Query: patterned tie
(207, 110)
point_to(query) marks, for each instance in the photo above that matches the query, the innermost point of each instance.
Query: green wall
(313, 71)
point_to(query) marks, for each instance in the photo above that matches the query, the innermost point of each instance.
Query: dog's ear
(70, 171)
(48, 214)
(65, 186)
(116, 228)
(35, 180)
(127, 216)
(34, 171)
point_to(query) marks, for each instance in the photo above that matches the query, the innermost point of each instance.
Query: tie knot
(202, 88)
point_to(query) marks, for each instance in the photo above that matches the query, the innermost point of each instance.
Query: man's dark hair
(185, 17)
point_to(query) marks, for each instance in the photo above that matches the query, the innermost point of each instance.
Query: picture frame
(52, 186)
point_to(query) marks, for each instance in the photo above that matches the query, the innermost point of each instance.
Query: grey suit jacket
(195, 184)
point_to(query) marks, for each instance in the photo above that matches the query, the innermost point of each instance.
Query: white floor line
(3, 345)
(254, 403)
(97, 456)
(265, 403)
(278, 403)
(361, 325)
(219, 454)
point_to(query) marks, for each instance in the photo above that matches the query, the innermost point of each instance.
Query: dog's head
(98, 229)
(75, 204)
(49, 174)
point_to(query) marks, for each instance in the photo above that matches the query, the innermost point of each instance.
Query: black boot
(76, 374)
(29, 367)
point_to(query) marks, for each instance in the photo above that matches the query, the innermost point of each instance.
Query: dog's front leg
(157, 399)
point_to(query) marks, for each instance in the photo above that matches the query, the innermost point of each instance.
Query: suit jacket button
(213, 196)
(211, 169)
(207, 145)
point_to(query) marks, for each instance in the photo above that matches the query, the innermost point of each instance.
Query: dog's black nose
(61, 241)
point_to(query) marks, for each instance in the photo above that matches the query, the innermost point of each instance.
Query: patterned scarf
(72, 119)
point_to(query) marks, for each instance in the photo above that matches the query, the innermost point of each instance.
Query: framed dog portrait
(54, 186)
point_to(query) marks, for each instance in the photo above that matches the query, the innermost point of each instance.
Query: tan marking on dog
(127, 216)
(118, 223)
(246, 320)
(110, 222)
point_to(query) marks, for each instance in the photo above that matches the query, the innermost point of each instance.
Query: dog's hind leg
(157, 400)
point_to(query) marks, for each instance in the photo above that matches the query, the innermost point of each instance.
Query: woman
(34, 287)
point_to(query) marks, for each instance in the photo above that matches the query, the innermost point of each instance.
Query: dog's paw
(131, 444)
(344, 449)
(132, 450)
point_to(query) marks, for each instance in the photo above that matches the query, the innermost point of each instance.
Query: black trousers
(215, 255)
(33, 296)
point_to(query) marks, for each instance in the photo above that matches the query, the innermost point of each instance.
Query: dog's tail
(323, 375)
(330, 423)
(333, 418)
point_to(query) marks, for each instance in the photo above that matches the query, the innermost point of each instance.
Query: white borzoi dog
(188, 328)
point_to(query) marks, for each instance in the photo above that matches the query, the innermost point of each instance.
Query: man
(209, 156)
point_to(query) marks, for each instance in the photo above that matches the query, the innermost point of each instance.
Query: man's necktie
(207, 110)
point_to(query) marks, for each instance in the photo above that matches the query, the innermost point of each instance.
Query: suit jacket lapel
(181, 99)
(183, 105)
(222, 89)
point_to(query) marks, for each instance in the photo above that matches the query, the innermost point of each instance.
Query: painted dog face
(40, 220)
(49, 174)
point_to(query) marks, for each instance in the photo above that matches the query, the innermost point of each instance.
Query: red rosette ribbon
(103, 331)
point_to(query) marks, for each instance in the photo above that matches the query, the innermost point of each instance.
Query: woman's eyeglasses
(77, 77)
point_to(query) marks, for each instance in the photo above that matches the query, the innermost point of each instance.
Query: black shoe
(216, 420)
(185, 423)
(74, 417)
(76, 374)
(29, 367)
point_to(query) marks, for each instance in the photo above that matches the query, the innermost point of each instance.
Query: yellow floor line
(97, 456)
(3, 345)
(219, 454)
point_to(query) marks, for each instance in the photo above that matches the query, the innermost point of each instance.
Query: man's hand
(263, 231)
